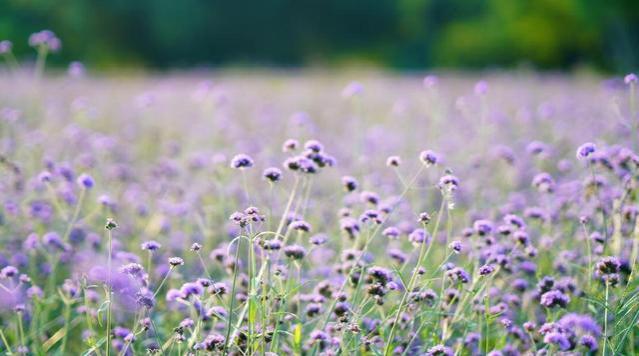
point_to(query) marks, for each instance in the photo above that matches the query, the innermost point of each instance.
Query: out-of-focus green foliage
(395, 33)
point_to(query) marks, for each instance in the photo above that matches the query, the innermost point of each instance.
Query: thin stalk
(413, 280)
(109, 292)
(278, 233)
(230, 319)
(605, 335)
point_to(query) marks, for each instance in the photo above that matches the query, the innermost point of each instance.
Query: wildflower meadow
(300, 213)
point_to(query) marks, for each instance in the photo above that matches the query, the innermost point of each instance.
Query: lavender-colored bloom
(173, 294)
(440, 350)
(272, 174)
(8, 272)
(352, 89)
(318, 239)
(241, 161)
(429, 158)
(456, 246)
(486, 270)
(85, 181)
(189, 289)
(393, 161)
(558, 339)
(176, 261)
(290, 145)
(132, 269)
(150, 245)
(481, 87)
(630, 78)
(589, 342)
(295, 252)
(391, 232)
(300, 226)
(448, 183)
(554, 298)
(418, 236)
(5, 46)
(544, 182)
(585, 150)
(430, 81)
(76, 69)
(314, 146)
(483, 227)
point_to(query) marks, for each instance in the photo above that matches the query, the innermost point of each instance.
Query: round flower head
(150, 245)
(132, 269)
(290, 145)
(195, 247)
(393, 161)
(314, 146)
(481, 87)
(300, 226)
(440, 350)
(8, 272)
(424, 218)
(350, 183)
(486, 270)
(483, 227)
(85, 181)
(391, 232)
(176, 261)
(318, 239)
(544, 182)
(45, 177)
(430, 81)
(110, 224)
(241, 161)
(554, 298)
(295, 252)
(429, 158)
(272, 174)
(46, 39)
(448, 183)
(630, 78)
(352, 89)
(76, 69)
(456, 246)
(586, 150)
(5, 46)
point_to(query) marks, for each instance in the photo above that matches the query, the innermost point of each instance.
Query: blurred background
(398, 34)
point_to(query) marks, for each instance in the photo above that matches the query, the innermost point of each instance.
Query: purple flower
(352, 89)
(85, 181)
(8, 272)
(393, 161)
(481, 87)
(486, 270)
(586, 150)
(558, 339)
(483, 227)
(272, 174)
(241, 161)
(189, 289)
(176, 261)
(430, 81)
(132, 269)
(456, 246)
(630, 78)
(5, 46)
(440, 350)
(429, 158)
(150, 245)
(300, 226)
(295, 252)
(554, 298)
